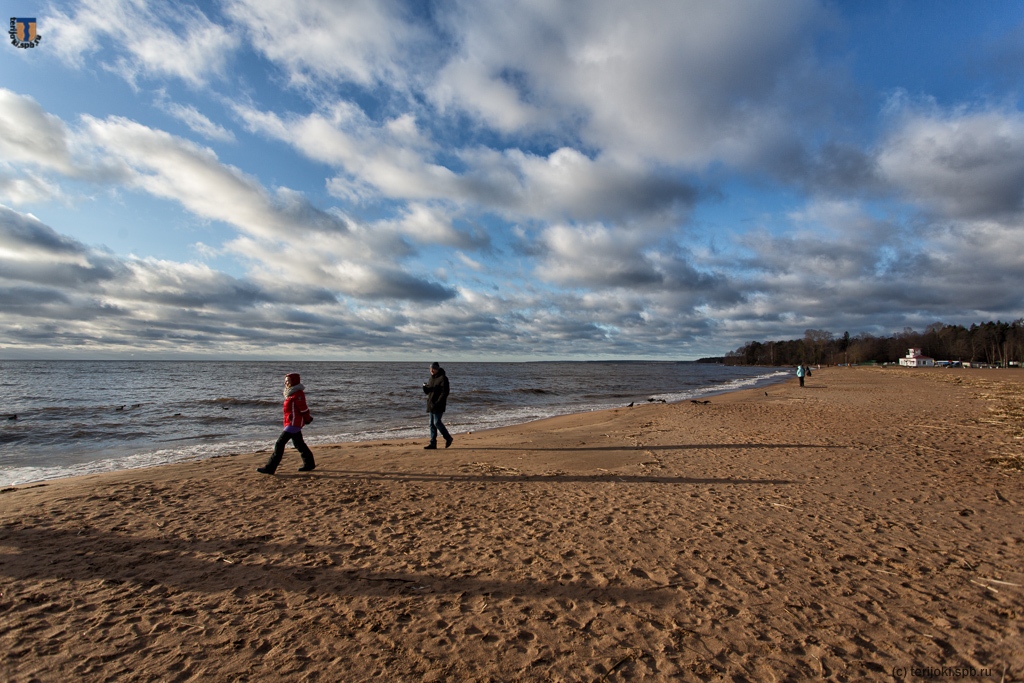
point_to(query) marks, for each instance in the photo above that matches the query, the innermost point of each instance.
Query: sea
(68, 418)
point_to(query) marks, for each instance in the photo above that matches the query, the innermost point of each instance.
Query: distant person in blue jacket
(800, 372)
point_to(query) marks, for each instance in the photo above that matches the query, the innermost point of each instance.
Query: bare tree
(816, 341)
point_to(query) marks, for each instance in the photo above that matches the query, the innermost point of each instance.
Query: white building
(914, 359)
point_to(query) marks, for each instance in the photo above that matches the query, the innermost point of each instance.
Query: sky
(499, 180)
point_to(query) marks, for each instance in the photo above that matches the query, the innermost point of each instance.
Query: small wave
(197, 436)
(256, 403)
(610, 395)
(211, 419)
(723, 388)
(88, 434)
(529, 390)
(112, 434)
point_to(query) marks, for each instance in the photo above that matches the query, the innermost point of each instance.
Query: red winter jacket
(296, 412)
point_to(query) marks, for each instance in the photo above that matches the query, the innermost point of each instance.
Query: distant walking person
(800, 372)
(296, 416)
(436, 389)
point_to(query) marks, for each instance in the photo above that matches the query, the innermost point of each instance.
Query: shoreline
(131, 458)
(862, 524)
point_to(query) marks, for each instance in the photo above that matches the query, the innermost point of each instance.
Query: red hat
(292, 378)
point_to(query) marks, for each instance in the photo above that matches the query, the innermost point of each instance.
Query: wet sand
(867, 524)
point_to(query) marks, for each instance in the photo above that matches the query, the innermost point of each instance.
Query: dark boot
(308, 463)
(430, 446)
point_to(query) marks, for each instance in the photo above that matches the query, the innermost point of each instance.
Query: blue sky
(476, 180)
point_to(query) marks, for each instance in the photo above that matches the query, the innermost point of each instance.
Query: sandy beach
(869, 526)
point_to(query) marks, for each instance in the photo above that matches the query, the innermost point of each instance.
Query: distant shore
(865, 524)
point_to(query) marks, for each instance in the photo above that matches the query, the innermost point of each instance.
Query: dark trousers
(437, 426)
(801, 381)
(300, 445)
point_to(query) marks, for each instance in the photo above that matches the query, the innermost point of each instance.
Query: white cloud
(465, 84)
(57, 291)
(569, 185)
(684, 82)
(596, 256)
(29, 135)
(199, 123)
(961, 164)
(173, 168)
(345, 138)
(356, 41)
(23, 238)
(430, 224)
(160, 39)
(349, 258)
(563, 185)
(29, 189)
(469, 263)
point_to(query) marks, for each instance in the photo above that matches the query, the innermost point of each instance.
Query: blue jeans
(437, 426)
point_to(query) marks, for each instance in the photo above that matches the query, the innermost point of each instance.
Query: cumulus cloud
(356, 261)
(564, 184)
(596, 256)
(960, 164)
(432, 224)
(28, 188)
(656, 277)
(683, 82)
(30, 135)
(36, 147)
(364, 41)
(567, 184)
(177, 169)
(22, 235)
(153, 39)
(282, 228)
(375, 156)
(838, 266)
(58, 288)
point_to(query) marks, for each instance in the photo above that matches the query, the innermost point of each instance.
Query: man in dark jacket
(436, 390)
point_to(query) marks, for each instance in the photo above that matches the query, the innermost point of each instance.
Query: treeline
(994, 343)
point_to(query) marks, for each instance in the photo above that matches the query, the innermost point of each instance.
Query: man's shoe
(430, 447)
(264, 470)
(448, 441)
(307, 469)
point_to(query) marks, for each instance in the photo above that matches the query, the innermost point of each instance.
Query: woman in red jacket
(296, 416)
